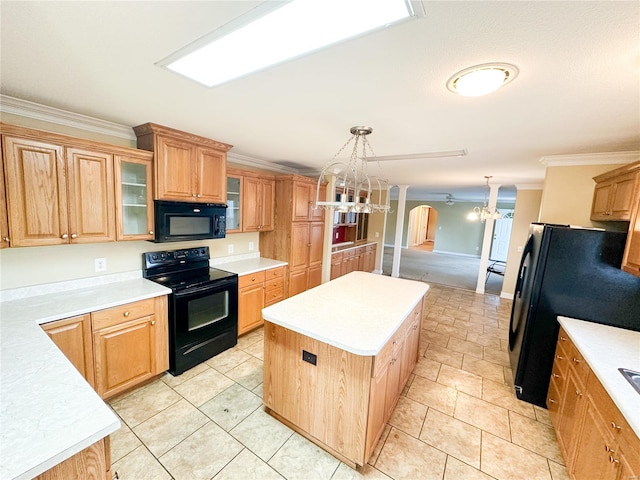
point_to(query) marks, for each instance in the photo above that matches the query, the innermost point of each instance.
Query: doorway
(501, 236)
(421, 231)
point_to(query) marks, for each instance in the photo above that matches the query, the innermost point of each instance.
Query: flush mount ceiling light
(275, 32)
(482, 79)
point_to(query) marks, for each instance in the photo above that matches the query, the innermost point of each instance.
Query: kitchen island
(337, 356)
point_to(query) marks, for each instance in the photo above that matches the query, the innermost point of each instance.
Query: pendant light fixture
(485, 212)
(354, 187)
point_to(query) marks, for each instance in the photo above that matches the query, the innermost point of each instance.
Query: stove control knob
(154, 257)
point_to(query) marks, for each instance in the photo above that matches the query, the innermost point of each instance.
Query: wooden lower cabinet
(92, 463)
(343, 401)
(130, 344)
(256, 291)
(595, 439)
(353, 259)
(73, 337)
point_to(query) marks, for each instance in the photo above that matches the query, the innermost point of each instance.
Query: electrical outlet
(309, 357)
(100, 264)
(230, 248)
(250, 246)
(377, 234)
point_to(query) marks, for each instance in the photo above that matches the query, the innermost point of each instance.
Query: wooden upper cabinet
(252, 198)
(4, 222)
(91, 196)
(304, 199)
(614, 194)
(134, 196)
(631, 259)
(188, 167)
(36, 192)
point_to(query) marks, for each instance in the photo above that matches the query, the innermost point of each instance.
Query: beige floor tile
(455, 312)
(504, 396)
(444, 355)
(457, 470)
(257, 350)
(507, 376)
(434, 338)
(247, 466)
(300, 459)
(249, 339)
(433, 394)
(473, 308)
(460, 380)
(139, 465)
(231, 406)
(166, 429)
(484, 415)
(428, 324)
(258, 390)
(462, 346)
(248, 373)
(368, 472)
(542, 415)
(495, 355)
(451, 330)
(405, 457)
(122, 442)
(175, 381)
(204, 386)
(506, 461)
(452, 436)
(262, 434)
(228, 359)
(408, 416)
(145, 402)
(201, 455)
(489, 322)
(427, 368)
(484, 340)
(491, 371)
(558, 472)
(496, 332)
(535, 436)
(471, 327)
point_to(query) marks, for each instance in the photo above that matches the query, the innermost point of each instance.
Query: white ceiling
(578, 90)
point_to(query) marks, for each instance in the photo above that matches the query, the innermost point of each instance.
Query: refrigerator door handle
(520, 283)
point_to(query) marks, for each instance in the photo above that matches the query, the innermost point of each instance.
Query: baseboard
(456, 254)
(508, 296)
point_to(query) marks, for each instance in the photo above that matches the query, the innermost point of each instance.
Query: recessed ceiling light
(482, 79)
(275, 32)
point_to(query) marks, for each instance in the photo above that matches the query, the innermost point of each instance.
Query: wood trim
(92, 463)
(631, 167)
(154, 128)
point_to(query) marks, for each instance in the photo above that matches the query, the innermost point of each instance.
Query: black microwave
(184, 221)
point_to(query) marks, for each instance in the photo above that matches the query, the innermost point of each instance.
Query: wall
(454, 233)
(568, 193)
(526, 211)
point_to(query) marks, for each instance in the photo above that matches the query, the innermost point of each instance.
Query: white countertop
(358, 312)
(606, 349)
(48, 412)
(250, 265)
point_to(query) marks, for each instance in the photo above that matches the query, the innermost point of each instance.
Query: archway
(421, 231)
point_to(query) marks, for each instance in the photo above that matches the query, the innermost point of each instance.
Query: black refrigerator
(573, 272)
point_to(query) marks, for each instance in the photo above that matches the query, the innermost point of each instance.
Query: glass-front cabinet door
(234, 208)
(134, 198)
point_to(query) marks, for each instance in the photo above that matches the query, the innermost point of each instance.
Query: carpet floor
(440, 268)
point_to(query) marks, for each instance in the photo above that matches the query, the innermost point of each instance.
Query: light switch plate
(100, 264)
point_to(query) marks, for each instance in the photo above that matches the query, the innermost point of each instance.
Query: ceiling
(578, 90)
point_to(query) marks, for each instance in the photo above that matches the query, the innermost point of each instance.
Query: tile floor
(456, 419)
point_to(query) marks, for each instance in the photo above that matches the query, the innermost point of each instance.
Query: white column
(397, 244)
(486, 240)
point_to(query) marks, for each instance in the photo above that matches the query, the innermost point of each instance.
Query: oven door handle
(207, 288)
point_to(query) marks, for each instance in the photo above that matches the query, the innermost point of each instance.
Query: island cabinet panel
(92, 463)
(329, 400)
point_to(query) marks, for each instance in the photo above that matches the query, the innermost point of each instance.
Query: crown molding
(245, 160)
(529, 186)
(25, 108)
(605, 158)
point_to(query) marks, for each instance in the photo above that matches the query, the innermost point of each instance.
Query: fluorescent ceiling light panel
(294, 29)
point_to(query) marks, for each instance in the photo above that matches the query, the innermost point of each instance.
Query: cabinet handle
(153, 322)
(415, 326)
(555, 375)
(551, 400)
(126, 314)
(74, 235)
(150, 232)
(395, 342)
(308, 244)
(564, 339)
(615, 426)
(198, 195)
(559, 357)
(578, 393)
(576, 360)
(613, 460)
(6, 239)
(64, 235)
(607, 448)
(193, 195)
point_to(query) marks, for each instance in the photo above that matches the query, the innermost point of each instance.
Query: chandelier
(485, 212)
(354, 187)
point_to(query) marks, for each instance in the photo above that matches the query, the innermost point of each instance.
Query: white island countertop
(606, 349)
(358, 312)
(48, 412)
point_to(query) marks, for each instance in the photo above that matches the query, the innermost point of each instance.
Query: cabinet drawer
(274, 291)
(122, 313)
(553, 401)
(615, 421)
(579, 364)
(251, 279)
(274, 273)
(391, 348)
